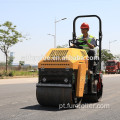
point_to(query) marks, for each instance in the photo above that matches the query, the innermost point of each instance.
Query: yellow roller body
(64, 58)
(58, 65)
(81, 79)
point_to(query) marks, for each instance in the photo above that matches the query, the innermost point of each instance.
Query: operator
(89, 43)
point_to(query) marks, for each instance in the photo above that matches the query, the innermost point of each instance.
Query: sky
(36, 19)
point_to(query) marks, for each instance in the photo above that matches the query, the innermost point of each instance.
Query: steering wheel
(77, 44)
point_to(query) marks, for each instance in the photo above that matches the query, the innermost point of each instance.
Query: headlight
(44, 79)
(66, 80)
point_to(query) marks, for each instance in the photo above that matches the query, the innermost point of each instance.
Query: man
(89, 43)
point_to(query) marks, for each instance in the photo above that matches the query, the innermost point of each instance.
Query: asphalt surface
(18, 102)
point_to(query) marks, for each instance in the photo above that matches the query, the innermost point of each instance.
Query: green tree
(106, 55)
(9, 36)
(21, 63)
(10, 60)
(62, 46)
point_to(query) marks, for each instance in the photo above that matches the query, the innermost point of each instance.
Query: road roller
(64, 77)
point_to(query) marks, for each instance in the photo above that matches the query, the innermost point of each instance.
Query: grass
(20, 73)
(25, 73)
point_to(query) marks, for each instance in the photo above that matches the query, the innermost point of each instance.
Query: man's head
(84, 28)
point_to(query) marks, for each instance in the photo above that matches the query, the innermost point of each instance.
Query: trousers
(91, 54)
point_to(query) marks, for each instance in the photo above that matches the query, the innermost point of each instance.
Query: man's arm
(92, 44)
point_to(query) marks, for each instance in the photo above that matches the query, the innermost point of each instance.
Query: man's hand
(72, 46)
(90, 45)
(86, 40)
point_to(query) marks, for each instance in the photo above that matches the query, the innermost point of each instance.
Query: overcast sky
(36, 19)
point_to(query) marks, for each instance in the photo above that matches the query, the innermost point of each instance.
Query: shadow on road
(50, 108)
(39, 107)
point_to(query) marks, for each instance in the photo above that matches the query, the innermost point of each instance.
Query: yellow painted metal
(64, 58)
(81, 79)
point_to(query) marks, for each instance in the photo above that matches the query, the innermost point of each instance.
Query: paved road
(18, 102)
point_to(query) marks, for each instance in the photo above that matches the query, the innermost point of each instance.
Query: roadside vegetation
(18, 71)
(21, 73)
